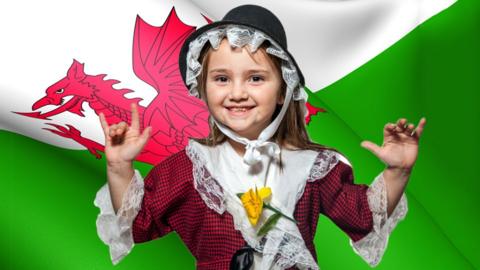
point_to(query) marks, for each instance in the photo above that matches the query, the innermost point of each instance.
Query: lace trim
(291, 251)
(115, 230)
(372, 247)
(208, 188)
(324, 163)
(239, 36)
(284, 244)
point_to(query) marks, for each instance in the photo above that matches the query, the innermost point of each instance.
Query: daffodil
(252, 201)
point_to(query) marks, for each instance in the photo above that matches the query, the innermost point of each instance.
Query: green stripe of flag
(49, 222)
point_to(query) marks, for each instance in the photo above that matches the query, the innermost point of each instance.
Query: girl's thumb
(375, 149)
(145, 135)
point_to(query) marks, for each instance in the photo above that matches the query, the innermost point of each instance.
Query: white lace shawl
(115, 229)
(220, 173)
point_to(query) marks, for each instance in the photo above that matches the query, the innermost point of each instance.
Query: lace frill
(373, 245)
(115, 230)
(210, 191)
(283, 246)
(324, 162)
(239, 36)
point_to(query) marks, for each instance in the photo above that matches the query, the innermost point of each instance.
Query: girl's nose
(238, 91)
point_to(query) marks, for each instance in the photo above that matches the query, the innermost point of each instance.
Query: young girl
(249, 195)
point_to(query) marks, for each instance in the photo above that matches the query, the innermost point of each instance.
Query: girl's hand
(400, 144)
(122, 142)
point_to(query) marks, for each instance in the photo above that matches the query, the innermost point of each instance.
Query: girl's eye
(221, 79)
(256, 78)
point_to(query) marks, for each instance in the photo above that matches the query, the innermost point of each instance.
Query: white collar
(220, 173)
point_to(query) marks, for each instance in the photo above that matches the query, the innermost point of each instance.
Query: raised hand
(400, 144)
(122, 142)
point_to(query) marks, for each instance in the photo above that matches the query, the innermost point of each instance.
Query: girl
(249, 195)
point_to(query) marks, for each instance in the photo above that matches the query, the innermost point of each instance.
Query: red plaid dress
(171, 203)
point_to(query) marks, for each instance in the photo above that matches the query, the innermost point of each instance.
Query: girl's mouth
(234, 110)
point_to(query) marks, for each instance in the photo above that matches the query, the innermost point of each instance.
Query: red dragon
(173, 114)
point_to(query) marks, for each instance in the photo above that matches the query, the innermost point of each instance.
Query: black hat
(253, 16)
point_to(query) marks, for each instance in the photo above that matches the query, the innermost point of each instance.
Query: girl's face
(242, 93)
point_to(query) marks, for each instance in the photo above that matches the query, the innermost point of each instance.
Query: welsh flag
(366, 63)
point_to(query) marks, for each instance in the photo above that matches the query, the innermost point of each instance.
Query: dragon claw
(60, 128)
(73, 133)
(56, 132)
(73, 130)
(94, 152)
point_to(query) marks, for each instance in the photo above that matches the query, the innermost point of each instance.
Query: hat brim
(185, 47)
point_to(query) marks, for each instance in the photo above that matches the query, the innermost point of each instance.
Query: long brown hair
(291, 130)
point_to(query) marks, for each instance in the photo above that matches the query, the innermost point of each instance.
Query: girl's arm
(396, 180)
(368, 214)
(119, 177)
(119, 200)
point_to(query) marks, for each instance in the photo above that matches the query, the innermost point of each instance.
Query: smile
(234, 110)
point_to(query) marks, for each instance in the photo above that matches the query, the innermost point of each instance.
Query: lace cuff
(373, 245)
(115, 230)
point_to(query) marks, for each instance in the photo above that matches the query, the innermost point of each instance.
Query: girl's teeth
(239, 109)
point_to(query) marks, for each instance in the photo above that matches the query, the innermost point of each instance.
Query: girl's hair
(292, 127)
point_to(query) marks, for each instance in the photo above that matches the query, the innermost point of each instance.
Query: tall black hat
(253, 16)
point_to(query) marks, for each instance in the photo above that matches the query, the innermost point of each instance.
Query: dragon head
(74, 87)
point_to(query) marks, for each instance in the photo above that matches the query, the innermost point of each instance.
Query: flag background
(49, 222)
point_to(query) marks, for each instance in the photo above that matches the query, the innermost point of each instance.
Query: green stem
(268, 206)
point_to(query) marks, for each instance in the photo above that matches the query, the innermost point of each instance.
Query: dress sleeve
(360, 211)
(373, 245)
(164, 192)
(115, 230)
(345, 203)
(146, 208)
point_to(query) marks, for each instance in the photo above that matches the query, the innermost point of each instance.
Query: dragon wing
(173, 114)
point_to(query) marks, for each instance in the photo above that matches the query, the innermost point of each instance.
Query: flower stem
(268, 206)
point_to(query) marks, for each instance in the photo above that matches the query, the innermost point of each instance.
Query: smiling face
(242, 89)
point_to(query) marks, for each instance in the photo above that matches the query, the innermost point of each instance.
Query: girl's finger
(409, 129)
(106, 129)
(104, 124)
(419, 130)
(401, 125)
(375, 149)
(112, 130)
(121, 128)
(389, 129)
(135, 124)
(145, 136)
(116, 129)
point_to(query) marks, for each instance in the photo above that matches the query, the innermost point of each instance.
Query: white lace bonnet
(246, 25)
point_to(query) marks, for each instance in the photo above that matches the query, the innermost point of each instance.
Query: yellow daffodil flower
(253, 203)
